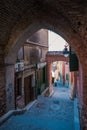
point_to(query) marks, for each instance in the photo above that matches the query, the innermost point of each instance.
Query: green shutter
(67, 76)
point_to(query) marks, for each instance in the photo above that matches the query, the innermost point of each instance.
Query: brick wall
(2, 91)
(2, 84)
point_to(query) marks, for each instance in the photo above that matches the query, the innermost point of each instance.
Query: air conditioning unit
(19, 66)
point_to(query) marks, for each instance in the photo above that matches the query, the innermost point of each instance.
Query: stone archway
(14, 44)
(66, 18)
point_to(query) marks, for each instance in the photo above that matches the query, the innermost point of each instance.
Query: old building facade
(30, 69)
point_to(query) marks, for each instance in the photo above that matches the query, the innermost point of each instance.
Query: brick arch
(57, 57)
(34, 18)
(50, 58)
(18, 37)
(26, 26)
(17, 40)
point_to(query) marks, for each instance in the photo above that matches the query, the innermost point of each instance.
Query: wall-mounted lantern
(73, 60)
(65, 51)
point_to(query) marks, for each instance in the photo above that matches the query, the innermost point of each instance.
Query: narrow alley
(53, 113)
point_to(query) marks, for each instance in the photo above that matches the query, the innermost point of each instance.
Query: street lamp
(65, 51)
(73, 59)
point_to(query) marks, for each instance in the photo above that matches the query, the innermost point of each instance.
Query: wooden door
(27, 89)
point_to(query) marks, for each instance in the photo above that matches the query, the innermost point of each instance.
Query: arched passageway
(53, 56)
(50, 58)
(21, 19)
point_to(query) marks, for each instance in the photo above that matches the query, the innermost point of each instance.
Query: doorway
(28, 89)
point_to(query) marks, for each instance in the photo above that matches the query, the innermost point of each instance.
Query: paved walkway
(54, 113)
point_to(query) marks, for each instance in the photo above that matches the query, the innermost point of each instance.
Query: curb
(48, 95)
(44, 91)
(16, 112)
(76, 115)
(51, 94)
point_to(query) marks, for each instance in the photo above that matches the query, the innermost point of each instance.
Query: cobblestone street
(54, 113)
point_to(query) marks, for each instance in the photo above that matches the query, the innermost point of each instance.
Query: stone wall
(2, 83)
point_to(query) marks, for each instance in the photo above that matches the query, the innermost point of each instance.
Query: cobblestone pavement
(54, 113)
